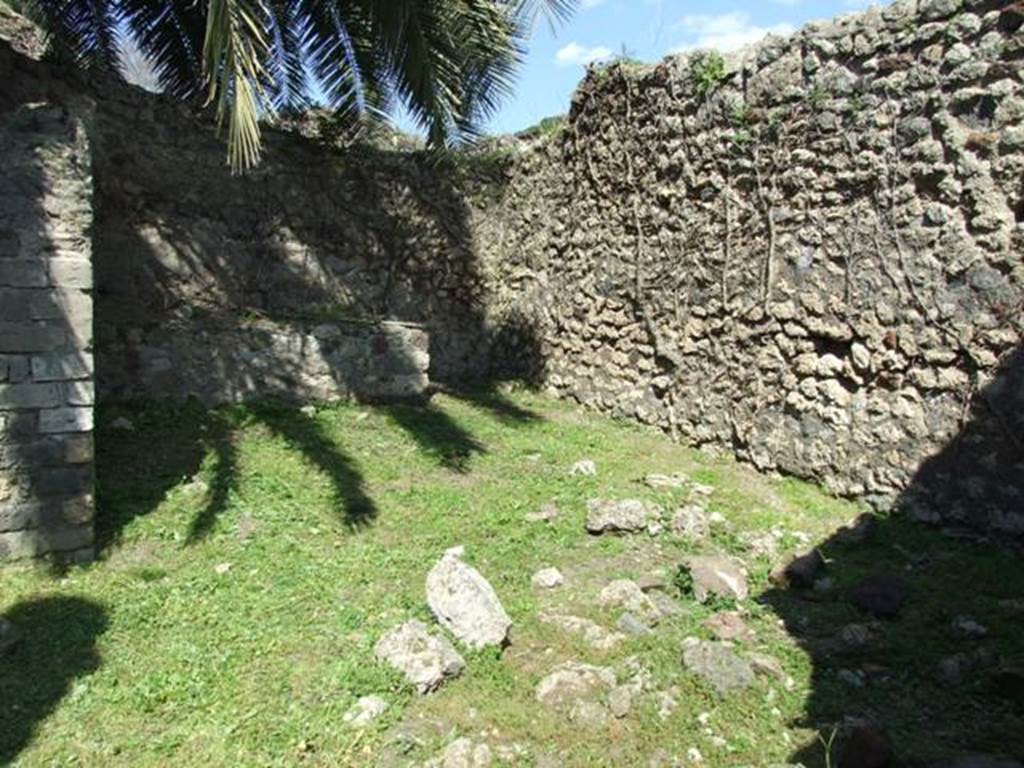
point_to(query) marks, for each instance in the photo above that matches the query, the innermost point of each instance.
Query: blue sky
(649, 30)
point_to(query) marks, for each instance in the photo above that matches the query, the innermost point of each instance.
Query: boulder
(626, 516)
(718, 664)
(465, 604)
(719, 576)
(426, 660)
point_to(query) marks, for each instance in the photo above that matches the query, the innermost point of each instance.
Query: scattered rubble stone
(632, 625)
(658, 482)
(463, 753)
(547, 578)
(718, 664)
(729, 625)
(464, 602)
(717, 575)
(583, 468)
(426, 660)
(365, 711)
(572, 682)
(547, 513)
(691, 523)
(626, 516)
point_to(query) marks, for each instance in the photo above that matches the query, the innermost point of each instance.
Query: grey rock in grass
(9, 636)
(365, 711)
(660, 482)
(547, 513)
(625, 516)
(573, 682)
(729, 625)
(547, 578)
(583, 468)
(123, 423)
(633, 625)
(426, 660)
(691, 523)
(965, 626)
(623, 593)
(717, 575)
(463, 753)
(464, 602)
(718, 665)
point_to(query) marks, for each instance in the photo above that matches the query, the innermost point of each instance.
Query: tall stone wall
(46, 362)
(809, 254)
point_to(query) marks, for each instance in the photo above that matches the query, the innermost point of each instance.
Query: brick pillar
(46, 362)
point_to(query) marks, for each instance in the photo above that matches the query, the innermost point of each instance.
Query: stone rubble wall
(810, 256)
(46, 361)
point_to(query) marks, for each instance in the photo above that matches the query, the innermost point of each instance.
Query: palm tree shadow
(437, 434)
(57, 646)
(221, 442)
(496, 403)
(317, 446)
(941, 677)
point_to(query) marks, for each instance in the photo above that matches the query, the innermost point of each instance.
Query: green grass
(330, 522)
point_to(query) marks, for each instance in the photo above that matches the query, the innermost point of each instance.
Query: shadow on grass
(309, 437)
(57, 646)
(918, 650)
(495, 402)
(437, 434)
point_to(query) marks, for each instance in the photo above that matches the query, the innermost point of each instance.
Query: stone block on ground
(426, 660)
(624, 516)
(465, 604)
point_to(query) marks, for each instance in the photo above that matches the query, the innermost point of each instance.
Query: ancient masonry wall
(810, 254)
(46, 361)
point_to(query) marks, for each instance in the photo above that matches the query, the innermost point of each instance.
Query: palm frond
(233, 51)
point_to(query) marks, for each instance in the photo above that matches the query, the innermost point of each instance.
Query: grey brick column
(46, 361)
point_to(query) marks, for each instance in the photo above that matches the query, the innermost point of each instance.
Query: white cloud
(724, 32)
(587, 4)
(575, 54)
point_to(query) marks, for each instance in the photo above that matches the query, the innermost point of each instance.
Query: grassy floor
(251, 557)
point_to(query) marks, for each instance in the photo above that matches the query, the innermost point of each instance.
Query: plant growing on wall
(447, 62)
